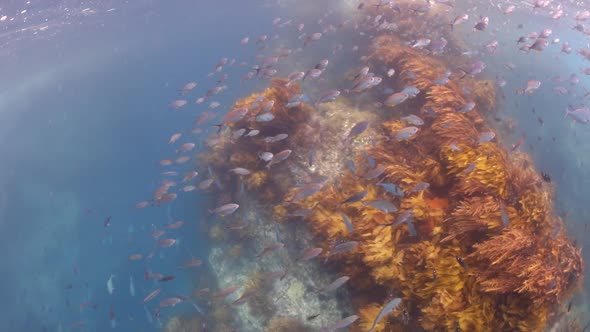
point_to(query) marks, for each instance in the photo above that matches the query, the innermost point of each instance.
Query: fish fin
(219, 126)
(567, 111)
(464, 73)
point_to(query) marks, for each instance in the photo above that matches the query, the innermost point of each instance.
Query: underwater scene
(294, 165)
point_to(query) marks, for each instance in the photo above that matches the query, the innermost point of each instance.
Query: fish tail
(463, 73)
(567, 111)
(219, 126)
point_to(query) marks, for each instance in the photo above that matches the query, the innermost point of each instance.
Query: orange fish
(174, 138)
(135, 257)
(191, 263)
(175, 225)
(142, 204)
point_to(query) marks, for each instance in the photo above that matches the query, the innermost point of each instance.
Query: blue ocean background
(84, 121)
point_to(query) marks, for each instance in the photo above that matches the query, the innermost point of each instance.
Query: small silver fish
(265, 117)
(405, 133)
(389, 307)
(396, 99)
(335, 284)
(382, 205)
(341, 323)
(414, 120)
(240, 171)
(225, 210)
(486, 136)
(347, 222)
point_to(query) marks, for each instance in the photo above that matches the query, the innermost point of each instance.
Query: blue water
(84, 122)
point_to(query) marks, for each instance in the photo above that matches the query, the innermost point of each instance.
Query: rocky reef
(458, 227)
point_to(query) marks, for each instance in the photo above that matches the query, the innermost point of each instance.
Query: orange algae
(469, 267)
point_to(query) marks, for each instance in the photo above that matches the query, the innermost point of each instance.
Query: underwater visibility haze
(284, 165)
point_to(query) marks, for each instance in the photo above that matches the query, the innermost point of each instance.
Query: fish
(170, 302)
(504, 216)
(253, 133)
(276, 138)
(420, 186)
(182, 160)
(374, 173)
(413, 120)
(334, 284)
(141, 205)
(247, 294)
(174, 138)
(165, 243)
(473, 69)
(405, 133)
(310, 254)
(175, 225)
(233, 116)
(481, 24)
(341, 323)
(240, 171)
(277, 158)
(392, 189)
(327, 96)
(166, 278)
(176, 104)
(468, 107)
(538, 45)
(269, 249)
(186, 147)
(461, 262)
(226, 292)
(422, 42)
(110, 286)
(225, 210)
(396, 99)
(382, 205)
(244, 40)
(342, 247)
(459, 19)
(531, 86)
(347, 222)
(265, 156)
(151, 295)
(388, 308)
(356, 130)
(312, 38)
(205, 184)
(355, 198)
(107, 222)
(307, 190)
(131, 286)
(486, 136)
(580, 114)
(135, 257)
(265, 117)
